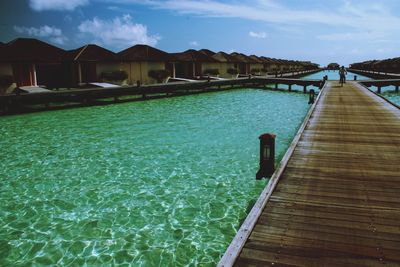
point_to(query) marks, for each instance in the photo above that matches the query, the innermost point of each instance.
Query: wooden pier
(382, 83)
(335, 199)
(21, 103)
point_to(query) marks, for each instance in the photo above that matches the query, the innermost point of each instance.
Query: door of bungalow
(24, 74)
(88, 71)
(49, 75)
(242, 68)
(171, 69)
(197, 69)
(180, 70)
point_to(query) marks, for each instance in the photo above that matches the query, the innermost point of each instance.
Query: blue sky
(343, 31)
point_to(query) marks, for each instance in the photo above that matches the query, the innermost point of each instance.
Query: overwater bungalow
(270, 65)
(31, 62)
(257, 65)
(189, 64)
(88, 64)
(393, 65)
(226, 64)
(212, 68)
(308, 65)
(144, 64)
(244, 63)
(390, 65)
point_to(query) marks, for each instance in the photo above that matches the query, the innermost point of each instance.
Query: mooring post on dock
(267, 156)
(311, 99)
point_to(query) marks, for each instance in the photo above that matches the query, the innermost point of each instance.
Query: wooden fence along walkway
(337, 201)
(18, 103)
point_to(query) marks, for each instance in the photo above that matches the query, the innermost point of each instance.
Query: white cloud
(261, 35)
(60, 5)
(118, 32)
(54, 34)
(194, 43)
(360, 17)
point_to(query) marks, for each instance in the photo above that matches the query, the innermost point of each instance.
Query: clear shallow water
(333, 75)
(154, 183)
(389, 93)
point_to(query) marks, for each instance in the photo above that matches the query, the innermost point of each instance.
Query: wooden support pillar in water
(290, 87)
(397, 89)
(276, 86)
(379, 89)
(305, 89)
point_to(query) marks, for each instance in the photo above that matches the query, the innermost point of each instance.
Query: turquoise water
(333, 75)
(154, 183)
(389, 93)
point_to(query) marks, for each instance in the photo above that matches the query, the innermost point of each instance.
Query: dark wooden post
(290, 87)
(379, 89)
(276, 86)
(311, 99)
(267, 156)
(305, 89)
(397, 89)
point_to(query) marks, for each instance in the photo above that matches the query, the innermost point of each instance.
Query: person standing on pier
(342, 75)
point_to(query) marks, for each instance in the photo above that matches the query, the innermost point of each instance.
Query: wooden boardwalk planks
(337, 203)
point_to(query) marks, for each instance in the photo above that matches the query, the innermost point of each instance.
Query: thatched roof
(191, 55)
(243, 58)
(207, 52)
(90, 52)
(256, 59)
(141, 53)
(30, 50)
(224, 57)
(269, 60)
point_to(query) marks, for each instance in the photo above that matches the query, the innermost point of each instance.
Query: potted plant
(255, 71)
(232, 71)
(159, 75)
(211, 72)
(117, 76)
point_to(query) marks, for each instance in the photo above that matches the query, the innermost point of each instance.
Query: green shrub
(254, 71)
(213, 72)
(6, 80)
(159, 75)
(118, 75)
(232, 71)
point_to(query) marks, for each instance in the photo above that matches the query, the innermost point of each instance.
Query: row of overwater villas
(31, 62)
(390, 65)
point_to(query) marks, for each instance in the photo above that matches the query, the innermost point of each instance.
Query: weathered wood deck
(337, 202)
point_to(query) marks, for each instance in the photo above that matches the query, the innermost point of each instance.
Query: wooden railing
(18, 103)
